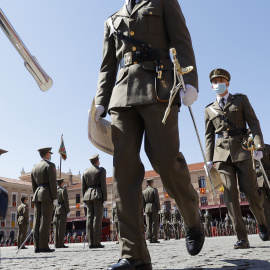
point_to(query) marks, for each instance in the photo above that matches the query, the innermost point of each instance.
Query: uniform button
(228, 129)
(134, 48)
(224, 112)
(151, 13)
(236, 109)
(132, 33)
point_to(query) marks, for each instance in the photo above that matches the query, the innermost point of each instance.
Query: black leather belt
(234, 132)
(131, 58)
(43, 185)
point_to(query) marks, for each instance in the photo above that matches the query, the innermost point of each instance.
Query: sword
(178, 74)
(43, 80)
(24, 241)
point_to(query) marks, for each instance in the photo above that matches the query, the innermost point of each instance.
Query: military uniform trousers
(266, 204)
(247, 182)
(162, 148)
(177, 230)
(208, 228)
(59, 227)
(117, 228)
(152, 226)
(22, 233)
(166, 230)
(94, 222)
(42, 223)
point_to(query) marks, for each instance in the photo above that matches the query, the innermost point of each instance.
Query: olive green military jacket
(176, 216)
(94, 184)
(159, 23)
(266, 165)
(151, 200)
(44, 184)
(165, 216)
(23, 214)
(63, 204)
(239, 111)
(114, 214)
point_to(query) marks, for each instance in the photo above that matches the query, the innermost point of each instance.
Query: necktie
(222, 103)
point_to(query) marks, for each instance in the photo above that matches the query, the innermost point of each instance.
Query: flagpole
(60, 165)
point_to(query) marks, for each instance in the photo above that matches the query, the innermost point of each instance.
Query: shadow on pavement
(26, 258)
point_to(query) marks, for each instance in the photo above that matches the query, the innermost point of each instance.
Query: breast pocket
(151, 20)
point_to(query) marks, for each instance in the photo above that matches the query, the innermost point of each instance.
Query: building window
(202, 182)
(203, 201)
(243, 197)
(13, 219)
(14, 199)
(105, 212)
(78, 198)
(221, 198)
(78, 213)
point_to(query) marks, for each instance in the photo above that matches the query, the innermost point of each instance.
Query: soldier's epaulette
(239, 94)
(209, 104)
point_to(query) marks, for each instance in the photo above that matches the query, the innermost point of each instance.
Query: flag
(62, 149)
(166, 195)
(202, 190)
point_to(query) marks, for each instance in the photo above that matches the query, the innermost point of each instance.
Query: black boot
(194, 240)
(264, 232)
(129, 264)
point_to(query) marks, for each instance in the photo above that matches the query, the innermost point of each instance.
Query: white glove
(55, 202)
(209, 166)
(68, 214)
(99, 111)
(84, 204)
(190, 96)
(104, 203)
(258, 155)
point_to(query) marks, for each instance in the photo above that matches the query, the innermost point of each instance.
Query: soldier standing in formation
(227, 118)
(44, 187)
(176, 221)
(165, 218)
(151, 206)
(207, 223)
(227, 221)
(138, 37)
(23, 221)
(263, 187)
(61, 213)
(115, 219)
(94, 192)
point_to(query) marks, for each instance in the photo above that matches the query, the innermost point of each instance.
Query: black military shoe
(128, 264)
(36, 250)
(264, 232)
(46, 250)
(100, 246)
(24, 248)
(194, 240)
(241, 244)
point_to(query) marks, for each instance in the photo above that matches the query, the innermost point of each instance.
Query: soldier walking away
(94, 192)
(208, 223)
(176, 221)
(151, 206)
(22, 221)
(227, 118)
(61, 213)
(44, 187)
(115, 220)
(165, 218)
(263, 187)
(139, 37)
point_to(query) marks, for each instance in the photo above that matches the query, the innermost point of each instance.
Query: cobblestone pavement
(217, 253)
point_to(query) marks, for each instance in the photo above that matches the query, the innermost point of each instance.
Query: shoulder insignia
(239, 94)
(209, 104)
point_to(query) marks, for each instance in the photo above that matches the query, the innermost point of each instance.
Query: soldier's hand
(55, 202)
(190, 96)
(209, 165)
(258, 155)
(99, 111)
(104, 203)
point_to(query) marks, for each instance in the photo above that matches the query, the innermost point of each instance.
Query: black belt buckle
(128, 58)
(225, 134)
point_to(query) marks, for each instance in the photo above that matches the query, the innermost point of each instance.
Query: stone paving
(217, 253)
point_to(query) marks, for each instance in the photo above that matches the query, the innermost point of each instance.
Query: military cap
(219, 72)
(96, 156)
(149, 179)
(45, 150)
(23, 198)
(60, 180)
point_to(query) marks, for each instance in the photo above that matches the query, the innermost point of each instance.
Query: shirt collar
(225, 98)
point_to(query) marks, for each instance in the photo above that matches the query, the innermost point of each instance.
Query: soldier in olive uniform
(94, 192)
(263, 187)
(228, 222)
(23, 221)
(227, 118)
(138, 37)
(61, 213)
(176, 220)
(151, 206)
(165, 218)
(207, 223)
(115, 219)
(44, 187)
